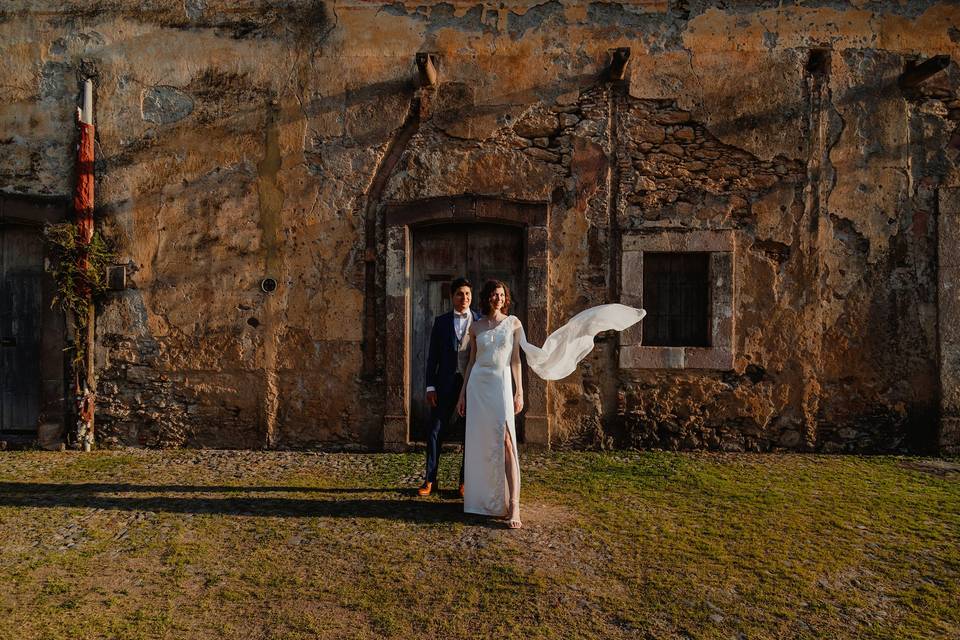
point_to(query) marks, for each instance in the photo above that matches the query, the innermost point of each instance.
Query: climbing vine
(77, 269)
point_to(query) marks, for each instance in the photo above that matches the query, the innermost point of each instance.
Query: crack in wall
(374, 314)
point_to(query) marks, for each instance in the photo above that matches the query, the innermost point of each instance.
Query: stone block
(708, 358)
(647, 132)
(165, 105)
(536, 431)
(632, 335)
(397, 267)
(395, 432)
(537, 124)
(950, 377)
(949, 201)
(631, 277)
(673, 117)
(638, 357)
(722, 331)
(536, 395)
(948, 233)
(948, 299)
(535, 327)
(949, 436)
(50, 435)
(673, 149)
(537, 237)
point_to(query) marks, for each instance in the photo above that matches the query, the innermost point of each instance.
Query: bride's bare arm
(515, 368)
(462, 402)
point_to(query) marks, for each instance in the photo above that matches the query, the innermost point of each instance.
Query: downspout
(85, 393)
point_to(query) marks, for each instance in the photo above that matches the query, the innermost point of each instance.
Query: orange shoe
(425, 489)
(461, 490)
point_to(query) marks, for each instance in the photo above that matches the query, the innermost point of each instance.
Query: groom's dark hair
(460, 282)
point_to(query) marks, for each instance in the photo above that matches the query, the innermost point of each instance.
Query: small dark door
(442, 253)
(21, 313)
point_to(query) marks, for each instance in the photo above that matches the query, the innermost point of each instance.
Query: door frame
(400, 217)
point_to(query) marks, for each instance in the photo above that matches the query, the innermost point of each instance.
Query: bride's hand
(517, 403)
(461, 407)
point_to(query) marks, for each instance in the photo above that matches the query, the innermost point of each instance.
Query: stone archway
(401, 219)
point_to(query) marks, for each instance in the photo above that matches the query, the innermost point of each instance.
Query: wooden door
(442, 253)
(21, 313)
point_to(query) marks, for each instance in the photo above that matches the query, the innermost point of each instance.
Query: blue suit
(443, 377)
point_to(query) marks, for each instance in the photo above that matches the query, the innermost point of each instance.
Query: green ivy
(66, 253)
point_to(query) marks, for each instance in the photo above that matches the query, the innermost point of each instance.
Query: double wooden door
(442, 253)
(21, 313)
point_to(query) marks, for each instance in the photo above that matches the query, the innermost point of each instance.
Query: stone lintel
(661, 240)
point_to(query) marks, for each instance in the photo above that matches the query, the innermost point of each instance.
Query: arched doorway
(442, 252)
(498, 239)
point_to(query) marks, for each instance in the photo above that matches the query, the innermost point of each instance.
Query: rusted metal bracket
(619, 58)
(915, 73)
(427, 66)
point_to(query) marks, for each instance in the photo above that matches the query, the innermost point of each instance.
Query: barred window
(676, 296)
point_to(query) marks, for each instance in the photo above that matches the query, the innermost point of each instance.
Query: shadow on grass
(104, 496)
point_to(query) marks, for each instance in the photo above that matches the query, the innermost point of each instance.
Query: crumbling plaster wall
(240, 140)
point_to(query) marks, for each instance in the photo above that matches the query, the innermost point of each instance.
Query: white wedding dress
(489, 394)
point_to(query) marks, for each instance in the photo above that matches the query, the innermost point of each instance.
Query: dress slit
(489, 422)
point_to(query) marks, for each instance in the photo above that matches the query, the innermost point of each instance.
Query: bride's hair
(488, 288)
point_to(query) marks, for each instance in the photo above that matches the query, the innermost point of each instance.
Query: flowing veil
(571, 343)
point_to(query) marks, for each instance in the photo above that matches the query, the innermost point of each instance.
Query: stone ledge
(640, 357)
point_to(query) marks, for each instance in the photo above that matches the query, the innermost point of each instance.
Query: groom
(446, 363)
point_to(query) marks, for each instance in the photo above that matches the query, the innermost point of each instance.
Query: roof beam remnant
(618, 63)
(426, 64)
(915, 73)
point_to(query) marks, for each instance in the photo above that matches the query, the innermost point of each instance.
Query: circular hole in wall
(268, 285)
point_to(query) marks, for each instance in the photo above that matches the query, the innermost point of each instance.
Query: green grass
(199, 544)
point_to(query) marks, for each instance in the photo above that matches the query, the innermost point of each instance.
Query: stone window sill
(640, 357)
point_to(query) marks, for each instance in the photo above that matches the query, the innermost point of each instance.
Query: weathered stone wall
(238, 141)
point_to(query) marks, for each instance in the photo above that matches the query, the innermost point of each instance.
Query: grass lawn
(278, 545)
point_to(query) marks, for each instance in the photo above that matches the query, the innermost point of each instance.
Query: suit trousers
(439, 419)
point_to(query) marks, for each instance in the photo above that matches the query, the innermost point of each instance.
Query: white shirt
(460, 326)
(460, 323)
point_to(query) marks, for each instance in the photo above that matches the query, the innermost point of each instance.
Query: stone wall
(239, 141)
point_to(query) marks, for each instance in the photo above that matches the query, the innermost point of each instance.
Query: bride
(491, 467)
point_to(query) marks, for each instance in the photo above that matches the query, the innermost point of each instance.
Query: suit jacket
(442, 355)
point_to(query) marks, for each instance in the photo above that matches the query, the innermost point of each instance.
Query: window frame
(721, 246)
